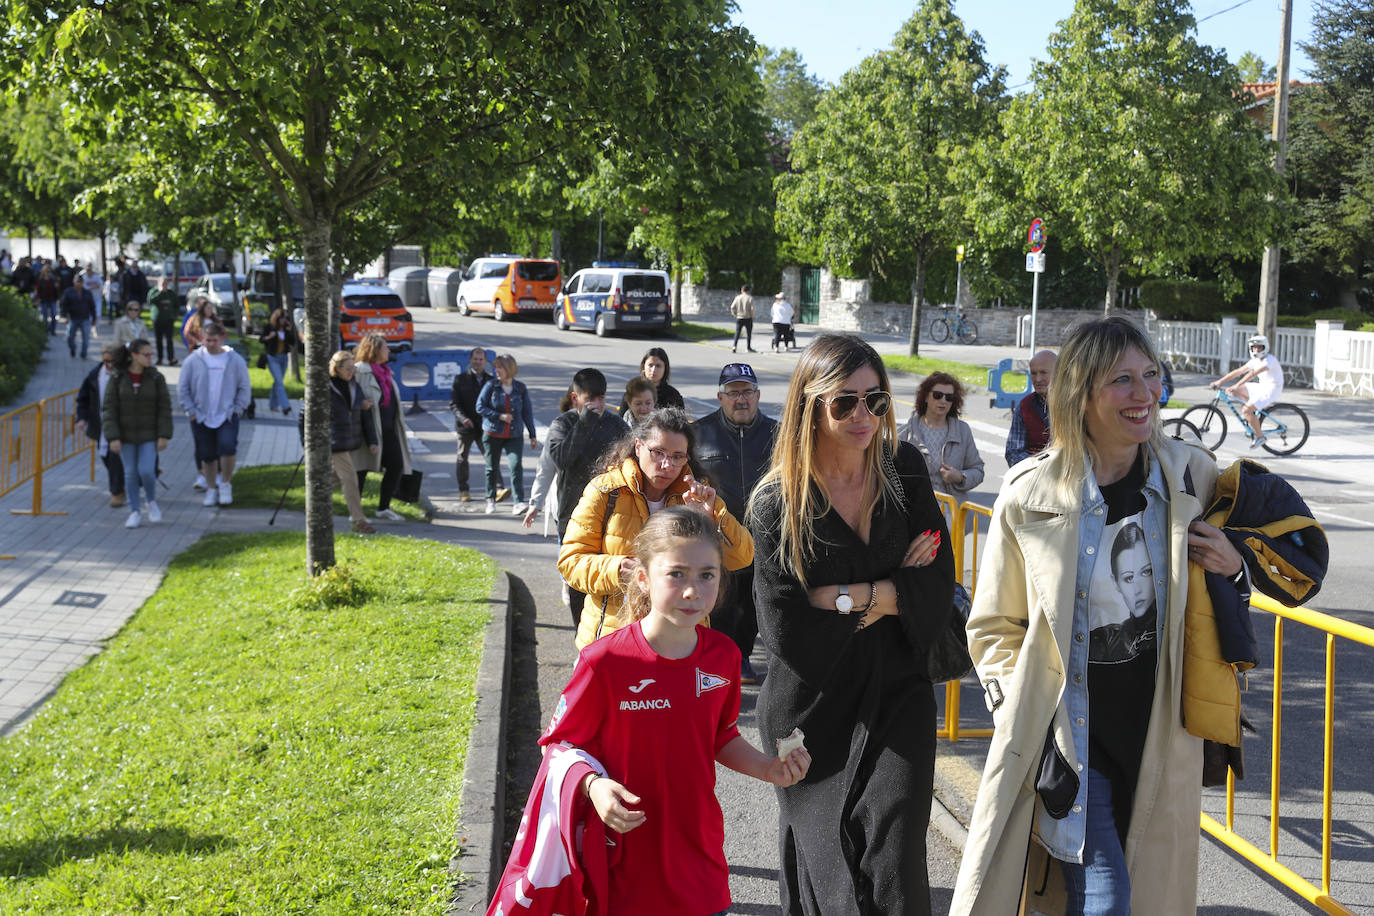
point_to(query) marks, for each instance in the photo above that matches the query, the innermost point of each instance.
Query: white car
(223, 292)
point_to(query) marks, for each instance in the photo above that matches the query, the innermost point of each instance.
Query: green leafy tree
(1331, 151)
(335, 103)
(1132, 145)
(875, 185)
(1253, 69)
(791, 93)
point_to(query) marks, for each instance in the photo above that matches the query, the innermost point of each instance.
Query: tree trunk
(677, 287)
(319, 472)
(918, 293)
(101, 269)
(1113, 268)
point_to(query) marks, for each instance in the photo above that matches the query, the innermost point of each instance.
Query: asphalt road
(1334, 472)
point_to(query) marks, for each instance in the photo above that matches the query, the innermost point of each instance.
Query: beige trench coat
(1019, 632)
(363, 457)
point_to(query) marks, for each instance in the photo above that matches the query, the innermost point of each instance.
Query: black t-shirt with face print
(1122, 648)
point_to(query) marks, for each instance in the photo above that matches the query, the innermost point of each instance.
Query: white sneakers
(226, 494)
(389, 515)
(211, 497)
(133, 520)
(491, 507)
(200, 483)
(154, 513)
(518, 509)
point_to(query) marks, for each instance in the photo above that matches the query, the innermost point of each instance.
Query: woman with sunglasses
(944, 440)
(648, 469)
(853, 577)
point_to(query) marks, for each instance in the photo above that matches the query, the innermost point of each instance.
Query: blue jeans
(277, 366)
(514, 447)
(140, 467)
(1101, 886)
(84, 326)
(49, 313)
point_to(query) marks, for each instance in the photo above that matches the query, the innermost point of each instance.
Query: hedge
(20, 346)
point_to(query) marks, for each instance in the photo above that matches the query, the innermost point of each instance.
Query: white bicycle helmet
(1260, 341)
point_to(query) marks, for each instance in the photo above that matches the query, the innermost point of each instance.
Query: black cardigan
(826, 675)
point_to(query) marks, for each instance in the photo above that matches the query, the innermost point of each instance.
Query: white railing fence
(1216, 348)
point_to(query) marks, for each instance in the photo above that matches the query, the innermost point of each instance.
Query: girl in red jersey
(657, 703)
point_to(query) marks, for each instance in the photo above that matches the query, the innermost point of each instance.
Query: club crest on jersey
(708, 682)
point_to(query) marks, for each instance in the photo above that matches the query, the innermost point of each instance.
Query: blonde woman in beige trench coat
(1022, 632)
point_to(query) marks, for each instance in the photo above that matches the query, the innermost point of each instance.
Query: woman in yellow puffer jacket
(647, 470)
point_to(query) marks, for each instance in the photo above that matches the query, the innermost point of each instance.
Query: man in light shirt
(214, 392)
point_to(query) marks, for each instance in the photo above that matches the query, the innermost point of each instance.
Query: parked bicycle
(1283, 426)
(962, 328)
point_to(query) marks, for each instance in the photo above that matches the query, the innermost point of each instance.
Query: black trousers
(468, 436)
(114, 467)
(737, 617)
(391, 468)
(163, 332)
(744, 326)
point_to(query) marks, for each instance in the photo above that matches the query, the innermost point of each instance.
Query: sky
(832, 37)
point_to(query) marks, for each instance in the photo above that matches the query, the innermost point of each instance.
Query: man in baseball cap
(734, 447)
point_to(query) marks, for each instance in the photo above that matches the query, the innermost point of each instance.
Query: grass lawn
(972, 377)
(689, 331)
(260, 487)
(235, 751)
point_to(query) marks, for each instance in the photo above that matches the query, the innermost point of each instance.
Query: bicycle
(962, 328)
(1283, 426)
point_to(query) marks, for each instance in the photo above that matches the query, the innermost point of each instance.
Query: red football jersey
(656, 724)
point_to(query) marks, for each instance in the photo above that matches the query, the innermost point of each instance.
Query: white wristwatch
(843, 603)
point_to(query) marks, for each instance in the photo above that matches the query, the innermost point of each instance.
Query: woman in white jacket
(1090, 758)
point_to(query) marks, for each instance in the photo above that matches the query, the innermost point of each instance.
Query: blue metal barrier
(1001, 397)
(441, 367)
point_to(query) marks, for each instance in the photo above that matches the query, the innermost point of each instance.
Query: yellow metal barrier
(1269, 862)
(965, 536)
(37, 437)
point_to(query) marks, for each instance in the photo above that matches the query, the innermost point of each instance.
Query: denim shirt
(1064, 838)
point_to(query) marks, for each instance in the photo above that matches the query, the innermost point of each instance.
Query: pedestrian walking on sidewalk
(467, 421)
(651, 775)
(504, 405)
(130, 327)
(648, 470)
(655, 367)
(137, 421)
(1081, 665)
(352, 434)
(46, 292)
(374, 377)
(163, 310)
(944, 440)
(77, 306)
(214, 392)
(90, 401)
(278, 340)
(845, 521)
(783, 336)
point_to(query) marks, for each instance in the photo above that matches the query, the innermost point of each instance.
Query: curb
(480, 840)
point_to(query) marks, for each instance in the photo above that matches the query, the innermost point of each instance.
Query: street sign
(1035, 262)
(959, 253)
(1036, 236)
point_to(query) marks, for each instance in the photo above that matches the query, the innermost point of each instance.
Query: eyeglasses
(842, 405)
(659, 456)
(740, 394)
(943, 396)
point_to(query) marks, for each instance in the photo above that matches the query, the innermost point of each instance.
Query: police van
(608, 297)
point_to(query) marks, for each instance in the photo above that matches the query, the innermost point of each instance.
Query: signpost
(959, 279)
(1035, 263)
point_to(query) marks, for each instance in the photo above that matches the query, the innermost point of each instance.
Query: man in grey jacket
(214, 392)
(734, 447)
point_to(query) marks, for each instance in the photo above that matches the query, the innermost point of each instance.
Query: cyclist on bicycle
(1258, 383)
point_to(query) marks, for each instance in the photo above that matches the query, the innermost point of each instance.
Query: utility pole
(1269, 272)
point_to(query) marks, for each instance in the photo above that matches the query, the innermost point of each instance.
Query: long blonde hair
(824, 367)
(1092, 350)
(664, 530)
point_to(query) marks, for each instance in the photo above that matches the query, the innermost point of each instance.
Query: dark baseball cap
(737, 372)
